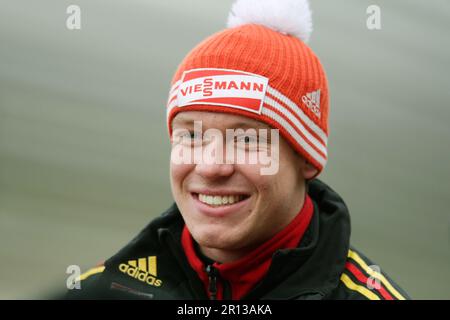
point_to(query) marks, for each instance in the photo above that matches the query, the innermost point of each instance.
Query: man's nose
(214, 170)
(214, 164)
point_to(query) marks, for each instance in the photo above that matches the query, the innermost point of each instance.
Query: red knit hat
(260, 67)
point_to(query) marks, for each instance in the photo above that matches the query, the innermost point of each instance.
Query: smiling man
(246, 99)
(231, 208)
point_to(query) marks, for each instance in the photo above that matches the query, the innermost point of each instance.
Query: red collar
(244, 274)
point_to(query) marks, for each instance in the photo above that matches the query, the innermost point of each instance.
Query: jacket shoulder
(363, 279)
(105, 282)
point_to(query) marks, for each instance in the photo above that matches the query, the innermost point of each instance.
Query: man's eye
(186, 137)
(247, 139)
(194, 138)
(195, 135)
(189, 135)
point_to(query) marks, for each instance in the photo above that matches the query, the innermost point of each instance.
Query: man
(243, 229)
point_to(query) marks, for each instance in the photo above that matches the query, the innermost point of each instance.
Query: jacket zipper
(212, 281)
(213, 278)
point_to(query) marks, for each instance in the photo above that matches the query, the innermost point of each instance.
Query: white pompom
(286, 16)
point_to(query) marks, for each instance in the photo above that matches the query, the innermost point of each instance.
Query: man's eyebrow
(246, 125)
(183, 121)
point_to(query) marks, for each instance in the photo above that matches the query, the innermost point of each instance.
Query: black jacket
(323, 266)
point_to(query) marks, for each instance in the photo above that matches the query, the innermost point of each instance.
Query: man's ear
(308, 170)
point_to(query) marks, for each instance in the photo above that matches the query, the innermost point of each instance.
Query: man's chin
(216, 240)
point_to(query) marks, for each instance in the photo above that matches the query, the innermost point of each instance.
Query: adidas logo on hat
(312, 101)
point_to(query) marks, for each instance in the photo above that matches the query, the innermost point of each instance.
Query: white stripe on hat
(304, 144)
(311, 139)
(299, 112)
(173, 91)
(174, 87)
(171, 106)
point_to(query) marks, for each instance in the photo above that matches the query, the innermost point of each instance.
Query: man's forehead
(219, 120)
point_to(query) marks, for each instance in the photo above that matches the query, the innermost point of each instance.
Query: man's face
(232, 207)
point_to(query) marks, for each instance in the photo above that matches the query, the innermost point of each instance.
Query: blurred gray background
(84, 150)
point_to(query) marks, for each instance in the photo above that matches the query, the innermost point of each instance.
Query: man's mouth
(220, 200)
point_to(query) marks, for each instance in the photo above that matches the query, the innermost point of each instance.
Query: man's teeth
(219, 200)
